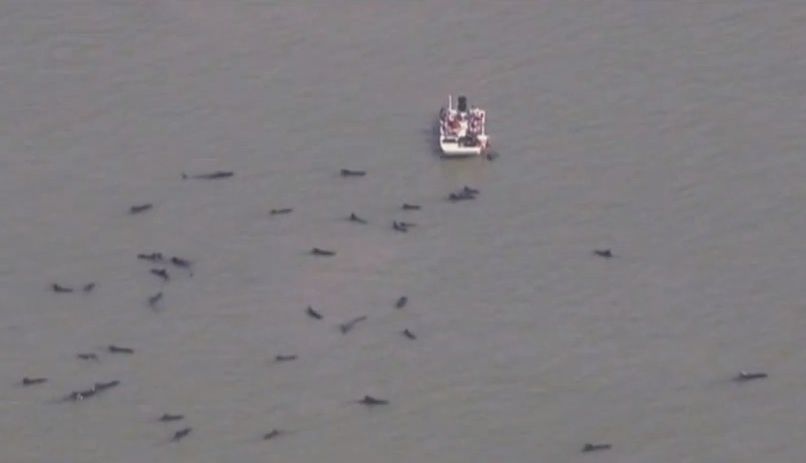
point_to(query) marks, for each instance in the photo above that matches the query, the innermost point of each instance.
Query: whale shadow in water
(353, 173)
(154, 257)
(154, 299)
(273, 434)
(313, 313)
(209, 176)
(356, 219)
(26, 381)
(57, 288)
(605, 253)
(182, 263)
(370, 401)
(140, 208)
(397, 226)
(745, 376)
(93, 391)
(161, 273)
(181, 434)
(595, 447)
(348, 326)
(322, 252)
(113, 349)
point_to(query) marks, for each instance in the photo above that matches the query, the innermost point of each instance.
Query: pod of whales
(466, 193)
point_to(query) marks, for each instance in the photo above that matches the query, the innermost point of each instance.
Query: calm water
(669, 131)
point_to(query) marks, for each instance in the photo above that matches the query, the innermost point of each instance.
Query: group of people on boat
(463, 129)
(463, 124)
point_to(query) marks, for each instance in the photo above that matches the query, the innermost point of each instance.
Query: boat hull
(454, 150)
(451, 147)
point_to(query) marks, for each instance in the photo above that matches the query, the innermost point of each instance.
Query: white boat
(462, 130)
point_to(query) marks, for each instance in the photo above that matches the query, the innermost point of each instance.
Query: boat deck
(462, 132)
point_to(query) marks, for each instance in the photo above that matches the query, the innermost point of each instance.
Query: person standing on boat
(454, 123)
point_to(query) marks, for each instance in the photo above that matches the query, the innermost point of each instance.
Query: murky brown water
(669, 131)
